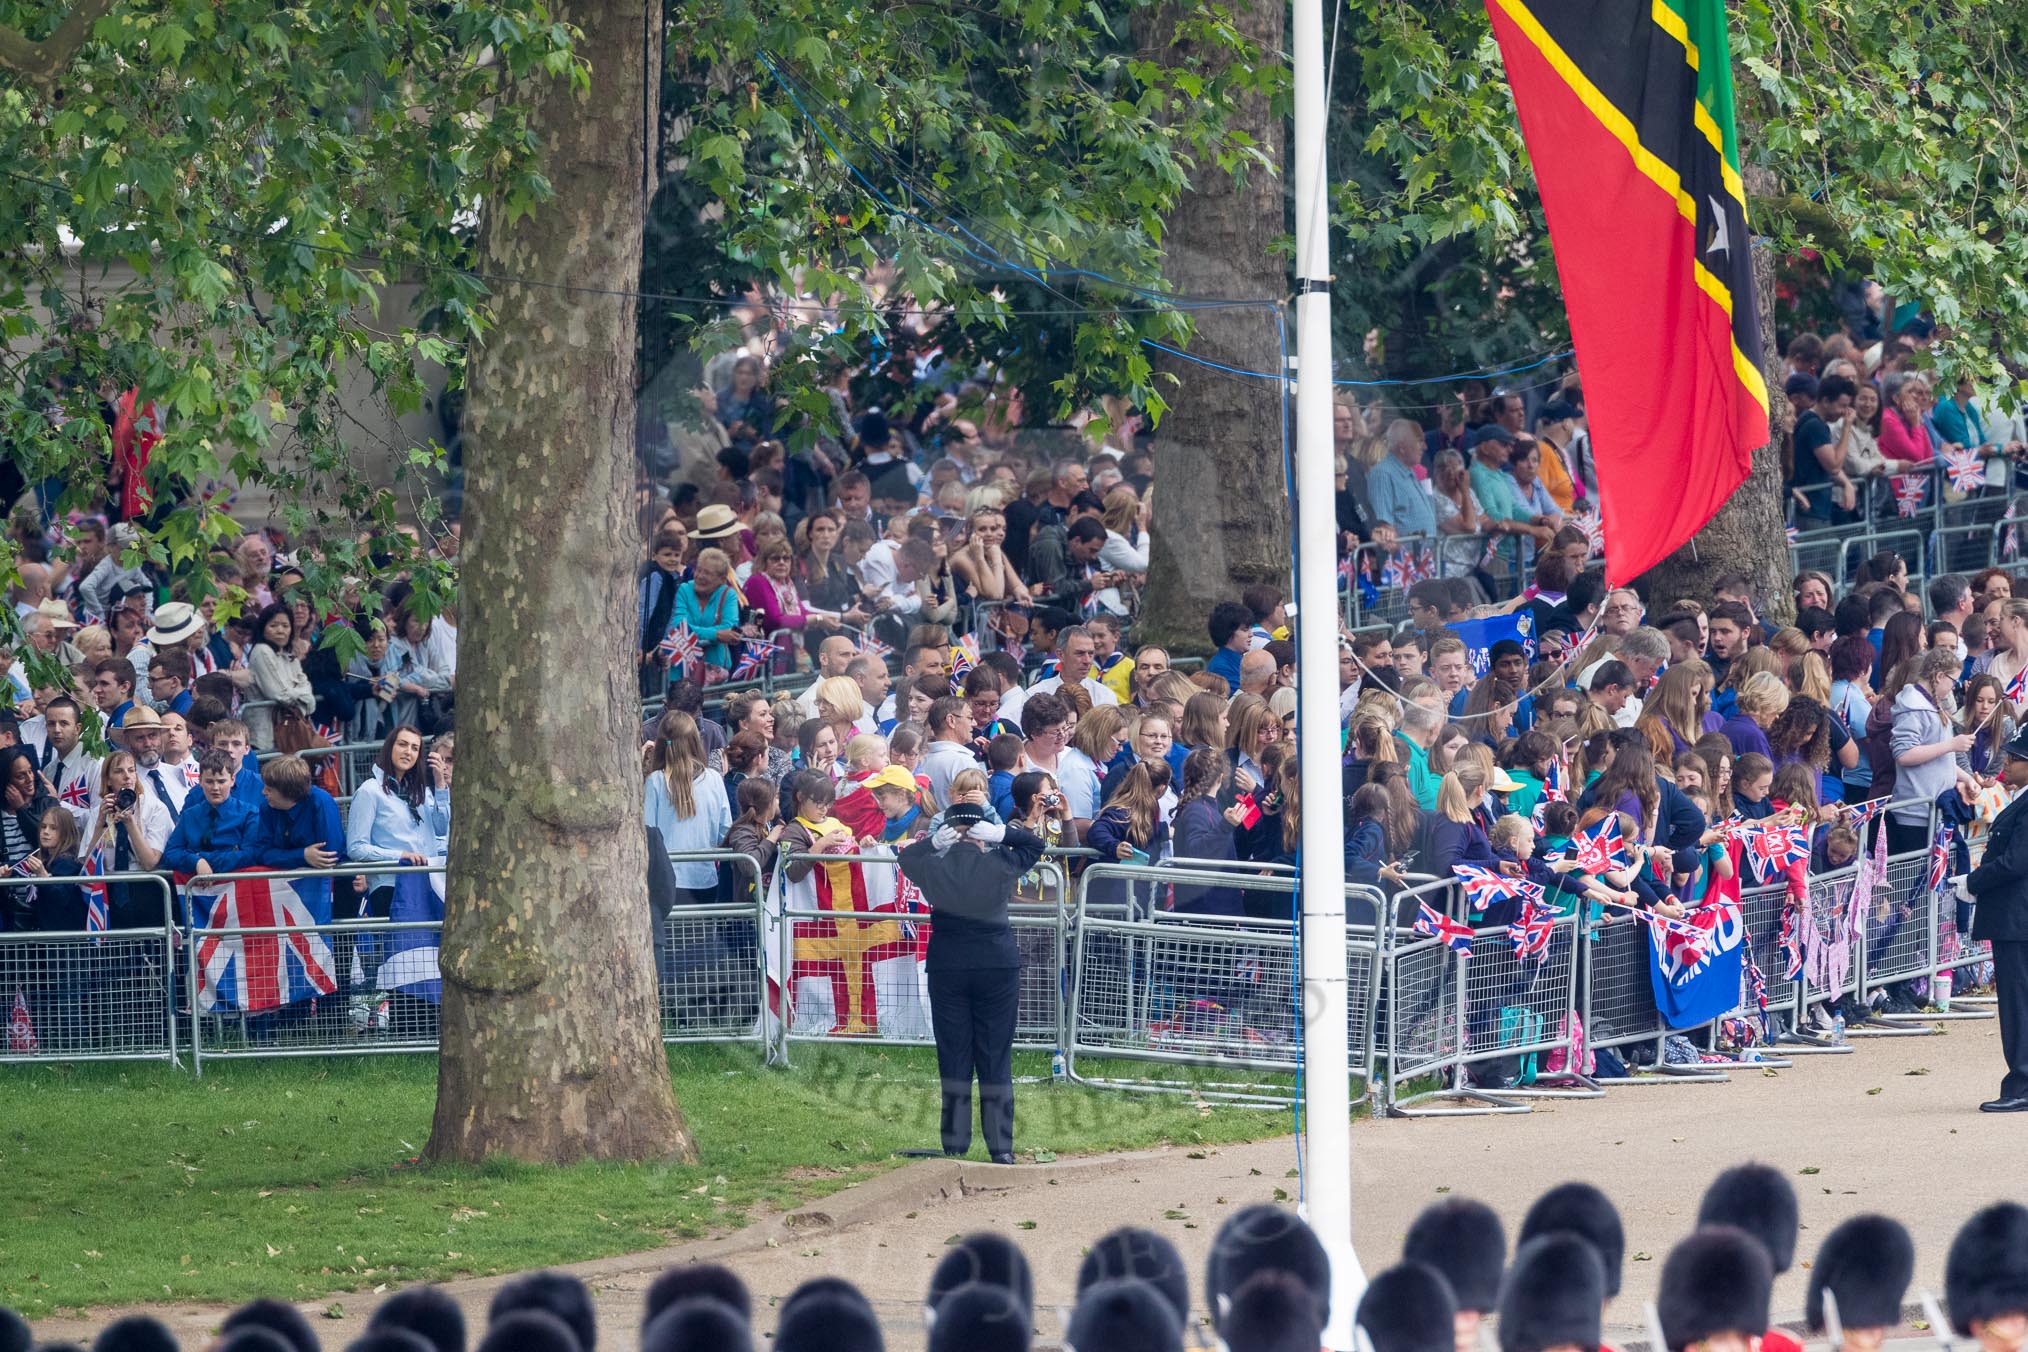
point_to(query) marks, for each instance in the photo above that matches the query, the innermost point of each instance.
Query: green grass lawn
(295, 1178)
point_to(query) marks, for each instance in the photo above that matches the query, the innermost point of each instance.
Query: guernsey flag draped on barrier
(1626, 106)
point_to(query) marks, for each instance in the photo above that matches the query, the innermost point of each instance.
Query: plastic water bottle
(1056, 1069)
(1838, 1028)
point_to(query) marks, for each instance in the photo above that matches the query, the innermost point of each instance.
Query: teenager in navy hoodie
(298, 828)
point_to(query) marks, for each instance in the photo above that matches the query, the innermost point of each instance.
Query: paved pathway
(1892, 1127)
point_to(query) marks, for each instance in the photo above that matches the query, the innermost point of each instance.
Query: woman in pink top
(1903, 433)
(772, 590)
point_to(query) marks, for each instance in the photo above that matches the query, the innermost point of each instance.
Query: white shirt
(1099, 694)
(1628, 714)
(175, 787)
(877, 570)
(79, 767)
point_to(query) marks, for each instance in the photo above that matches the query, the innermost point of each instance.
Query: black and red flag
(1626, 106)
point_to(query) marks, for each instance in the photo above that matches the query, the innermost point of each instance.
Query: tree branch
(41, 62)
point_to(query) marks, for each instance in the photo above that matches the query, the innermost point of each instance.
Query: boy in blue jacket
(212, 834)
(299, 828)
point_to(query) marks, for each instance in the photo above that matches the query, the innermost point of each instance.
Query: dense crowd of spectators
(952, 599)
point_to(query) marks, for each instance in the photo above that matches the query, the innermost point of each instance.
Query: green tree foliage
(203, 200)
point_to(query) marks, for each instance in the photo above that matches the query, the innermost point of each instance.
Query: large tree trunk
(1221, 518)
(1747, 535)
(552, 1047)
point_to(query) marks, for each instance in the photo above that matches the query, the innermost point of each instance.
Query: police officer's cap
(1986, 1274)
(1265, 1238)
(1132, 1251)
(982, 1257)
(426, 1312)
(2018, 747)
(1273, 1312)
(697, 1323)
(1866, 1264)
(1719, 1280)
(1408, 1308)
(1122, 1315)
(15, 1335)
(979, 1317)
(1584, 1211)
(964, 816)
(1465, 1241)
(1552, 1295)
(1755, 1198)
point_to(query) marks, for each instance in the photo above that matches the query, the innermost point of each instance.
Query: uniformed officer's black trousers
(2010, 989)
(972, 1015)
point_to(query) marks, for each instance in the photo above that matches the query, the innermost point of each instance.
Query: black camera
(125, 799)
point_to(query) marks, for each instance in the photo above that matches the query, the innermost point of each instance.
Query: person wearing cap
(50, 629)
(110, 577)
(1999, 887)
(1715, 1291)
(967, 870)
(1864, 1267)
(142, 734)
(1986, 1277)
(177, 628)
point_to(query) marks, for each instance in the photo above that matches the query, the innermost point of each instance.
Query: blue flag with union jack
(256, 972)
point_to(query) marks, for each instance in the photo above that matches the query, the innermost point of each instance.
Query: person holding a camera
(129, 832)
(967, 869)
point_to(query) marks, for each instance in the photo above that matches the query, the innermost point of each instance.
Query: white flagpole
(1327, 1081)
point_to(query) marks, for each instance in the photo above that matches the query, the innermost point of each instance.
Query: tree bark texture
(1221, 518)
(551, 1034)
(1747, 536)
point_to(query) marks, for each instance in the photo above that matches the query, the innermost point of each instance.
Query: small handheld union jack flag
(871, 646)
(680, 648)
(98, 918)
(1484, 887)
(1909, 492)
(964, 656)
(1940, 858)
(2018, 687)
(1775, 848)
(1553, 789)
(1456, 934)
(1966, 468)
(1530, 932)
(1862, 813)
(77, 794)
(328, 731)
(1600, 845)
(754, 655)
(1790, 941)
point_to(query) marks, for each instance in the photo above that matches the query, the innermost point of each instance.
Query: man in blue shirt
(1398, 497)
(113, 688)
(1231, 628)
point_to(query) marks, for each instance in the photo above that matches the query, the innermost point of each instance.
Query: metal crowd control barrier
(89, 995)
(866, 968)
(710, 973)
(1449, 1010)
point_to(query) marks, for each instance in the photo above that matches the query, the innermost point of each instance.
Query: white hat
(175, 622)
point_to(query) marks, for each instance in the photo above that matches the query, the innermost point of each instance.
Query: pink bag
(1571, 1055)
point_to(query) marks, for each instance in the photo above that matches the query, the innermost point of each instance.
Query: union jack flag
(1940, 858)
(1756, 985)
(98, 915)
(1791, 944)
(964, 656)
(191, 774)
(1966, 468)
(1687, 942)
(1416, 565)
(1553, 789)
(681, 648)
(1456, 934)
(328, 731)
(1600, 845)
(1862, 813)
(1531, 930)
(871, 646)
(1775, 848)
(253, 973)
(77, 794)
(1909, 492)
(1790, 531)
(1484, 887)
(2018, 687)
(754, 655)
(20, 1027)
(1594, 532)
(1584, 640)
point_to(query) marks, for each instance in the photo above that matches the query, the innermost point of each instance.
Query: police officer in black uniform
(1999, 886)
(967, 869)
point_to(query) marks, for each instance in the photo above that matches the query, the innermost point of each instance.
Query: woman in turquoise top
(709, 604)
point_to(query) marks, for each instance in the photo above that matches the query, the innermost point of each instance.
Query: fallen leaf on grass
(1281, 1196)
(1810, 1169)
(1644, 1258)
(1025, 1225)
(1871, 1092)
(1919, 1070)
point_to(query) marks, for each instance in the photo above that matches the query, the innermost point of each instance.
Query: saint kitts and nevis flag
(1626, 106)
